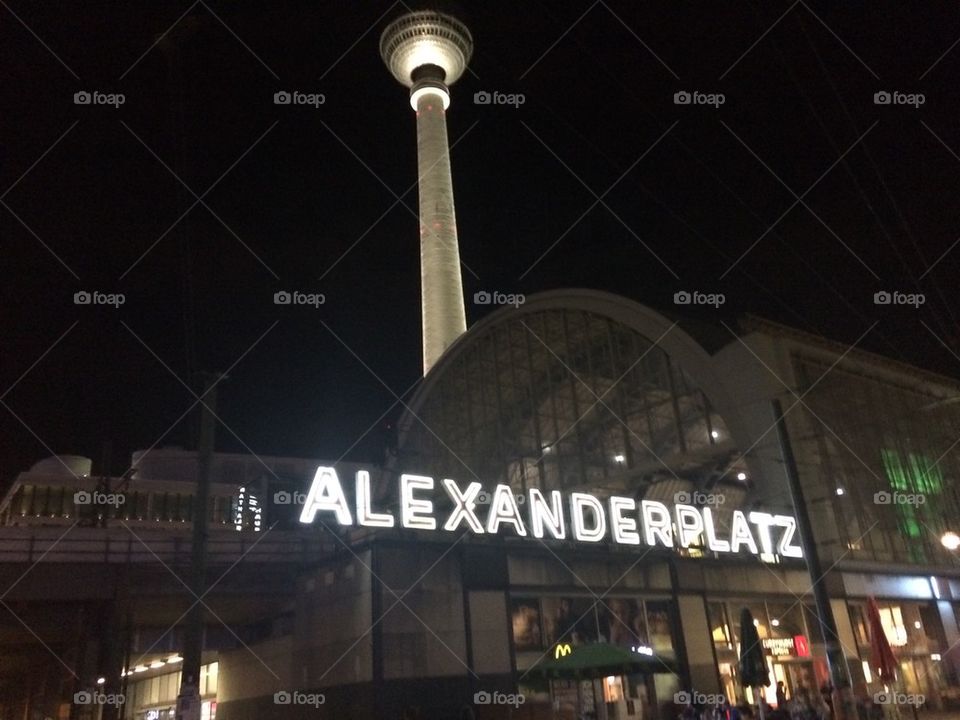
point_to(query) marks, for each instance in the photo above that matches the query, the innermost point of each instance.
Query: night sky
(304, 198)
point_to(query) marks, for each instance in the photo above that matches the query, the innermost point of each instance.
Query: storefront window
(786, 620)
(569, 620)
(209, 675)
(622, 621)
(719, 625)
(859, 621)
(760, 619)
(660, 626)
(627, 622)
(892, 620)
(527, 633)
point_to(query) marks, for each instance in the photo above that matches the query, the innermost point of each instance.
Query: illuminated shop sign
(783, 647)
(579, 516)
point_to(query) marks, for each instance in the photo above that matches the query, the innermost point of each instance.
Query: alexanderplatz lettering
(629, 522)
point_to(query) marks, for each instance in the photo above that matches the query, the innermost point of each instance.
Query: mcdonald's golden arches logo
(562, 650)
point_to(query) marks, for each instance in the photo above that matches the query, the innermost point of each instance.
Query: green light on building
(911, 477)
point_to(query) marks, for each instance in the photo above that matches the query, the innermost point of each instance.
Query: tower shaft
(441, 303)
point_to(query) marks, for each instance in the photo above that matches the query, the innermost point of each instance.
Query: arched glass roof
(565, 395)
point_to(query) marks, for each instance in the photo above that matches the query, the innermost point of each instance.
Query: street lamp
(950, 540)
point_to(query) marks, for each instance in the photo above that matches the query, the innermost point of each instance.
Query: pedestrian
(800, 708)
(826, 692)
(781, 696)
(822, 710)
(728, 711)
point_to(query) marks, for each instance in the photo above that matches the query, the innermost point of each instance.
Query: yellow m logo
(562, 650)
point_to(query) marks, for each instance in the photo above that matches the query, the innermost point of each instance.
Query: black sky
(598, 80)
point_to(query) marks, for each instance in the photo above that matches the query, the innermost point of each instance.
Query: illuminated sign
(778, 647)
(583, 517)
(562, 650)
(782, 647)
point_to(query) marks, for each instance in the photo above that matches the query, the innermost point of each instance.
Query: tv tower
(427, 51)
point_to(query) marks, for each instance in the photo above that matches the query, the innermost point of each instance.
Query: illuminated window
(209, 675)
(911, 476)
(719, 626)
(892, 620)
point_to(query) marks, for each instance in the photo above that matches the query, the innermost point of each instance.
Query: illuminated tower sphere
(427, 51)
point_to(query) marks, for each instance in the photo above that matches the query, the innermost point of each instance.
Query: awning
(597, 660)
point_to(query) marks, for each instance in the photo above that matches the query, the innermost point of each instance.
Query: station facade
(586, 394)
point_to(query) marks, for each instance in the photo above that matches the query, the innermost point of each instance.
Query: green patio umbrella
(753, 666)
(595, 661)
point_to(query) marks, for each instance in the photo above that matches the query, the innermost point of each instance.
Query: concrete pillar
(848, 641)
(442, 308)
(698, 641)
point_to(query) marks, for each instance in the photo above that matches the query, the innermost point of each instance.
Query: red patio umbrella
(881, 656)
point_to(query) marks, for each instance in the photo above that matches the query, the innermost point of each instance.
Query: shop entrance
(922, 676)
(797, 676)
(618, 697)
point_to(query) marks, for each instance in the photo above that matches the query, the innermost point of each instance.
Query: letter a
(326, 493)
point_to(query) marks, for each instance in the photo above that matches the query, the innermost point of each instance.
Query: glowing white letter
(326, 493)
(552, 514)
(411, 510)
(656, 522)
(578, 502)
(740, 534)
(503, 509)
(365, 515)
(789, 526)
(623, 529)
(465, 504)
(689, 524)
(713, 542)
(763, 521)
